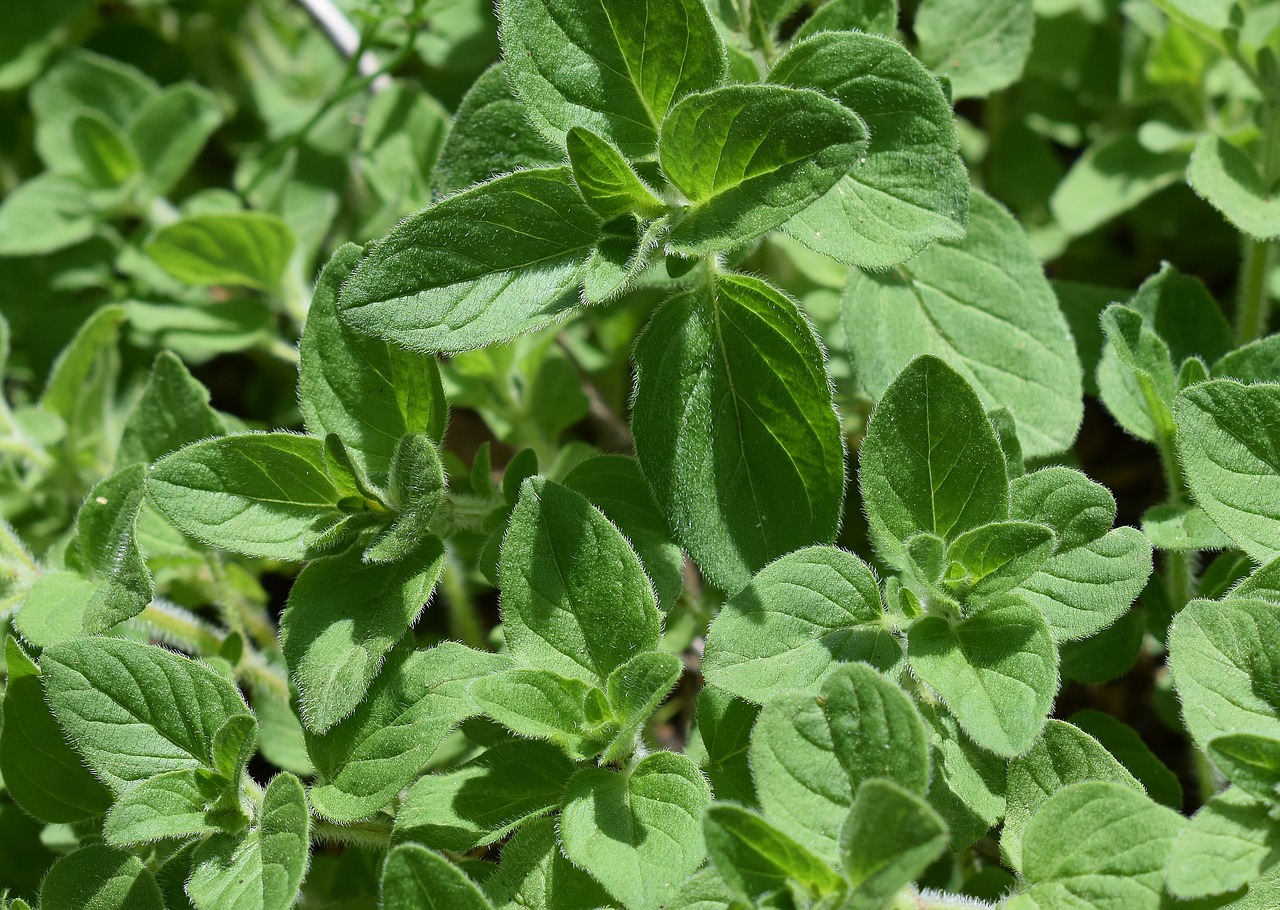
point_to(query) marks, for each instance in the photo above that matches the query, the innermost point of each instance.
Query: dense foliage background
(865, 418)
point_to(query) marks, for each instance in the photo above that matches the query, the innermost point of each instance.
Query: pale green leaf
(910, 188)
(415, 878)
(172, 411)
(1230, 842)
(981, 303)
(1229, 181)
(236, 248)
(1115, 173)
(890, 838)
(99, 878)
(755, 859)
(980, 46)
(796, 619)
(606, 180)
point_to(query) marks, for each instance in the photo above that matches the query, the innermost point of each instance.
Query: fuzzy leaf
(100, 878)
(236, 248)
(981, 47)
(755, 859)
(890, 838)
(415, 878)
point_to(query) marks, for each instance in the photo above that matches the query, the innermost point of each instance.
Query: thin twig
(346, 38)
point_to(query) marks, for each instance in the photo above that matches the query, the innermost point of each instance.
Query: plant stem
(911, 899)
(1253, 314)
(374, 833)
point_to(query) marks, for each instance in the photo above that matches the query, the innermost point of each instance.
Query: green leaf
(889, 839)
(108, 549)
(54, 609)
(1229, 843)
(236, 248)
(562, 609)
(634, 692)
(46, 213)
(719, 742)
(748, 157)
(85, 368)
(745, 471)
(931, 460)
(876, 16)
(910, 187)
(1227, 179)
(1250, 761)
(756, 859)
(1130, 750)
(106, 156)
(1136, 375)
(1078, 509)
(368, 392)
(981, 47)
(799, 617)
(606, 180)
(485, 799)
(254, 493)
(263, 868)
(544, 705)
(172, 411)
(169, 129)
(1097, 844)
(342, 617)
(1182, 528)
(997, 557)
(133, 710)
(1258, 361)
(416, 485)
(1225, 667)
(478, 268)
(637, 830)
(612, 67)
(810, 755)
(170, 805)
(1229, 446)
(415, 878)
(534, 875)
(1115, 173)
(99, 878)
(996, 671)
(1062, 755)
(41, 772)
(616, 487)
(625, 248)
(31, 32)
(490, 135)
(413, 703)
(982, 304)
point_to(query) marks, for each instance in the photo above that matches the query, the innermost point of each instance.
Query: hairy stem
(464, 618)
(373, 833)
(1254, 312)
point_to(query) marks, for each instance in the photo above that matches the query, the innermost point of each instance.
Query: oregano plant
(696, 455)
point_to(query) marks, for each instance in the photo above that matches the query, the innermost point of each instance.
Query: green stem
(911, 899)
(1253, 315)
(464, 619)
(374, 833)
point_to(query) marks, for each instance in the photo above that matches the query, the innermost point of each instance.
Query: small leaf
(170, 805)
(1229, 446)
(796, 619)
(931, 460)
(744, 471)
(262, 869)
(890, 838)
(1229, 181)
(637, 831)
(575, 598)
(611, 67)
(719, 741)
(534, 875)
(756, 859)
(107, 543)
(1099, 844)
(997, 557)
(168, 131)
(1078, 509)
(981, 47)
(1250, 761)
(135, 710)
(968, 784)
(416, 488)
(1182, 528)
(996, 671)
(1229, 843)
(1062, 755)
(478, 268)
(253, 493)
(106, 156)
(748, 157)
(606, 180)
(413, 703)
(1115, 173)
(368, 392)
(635, 690)
(414, 878)
(485, 799)
(544, 705)
(911, 187)
(237, 248)
(46, 213)
(100, 878)
(1136, 374)
(982, 304)
(342, 617)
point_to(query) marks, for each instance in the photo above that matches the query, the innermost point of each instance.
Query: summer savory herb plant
(599, 454)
